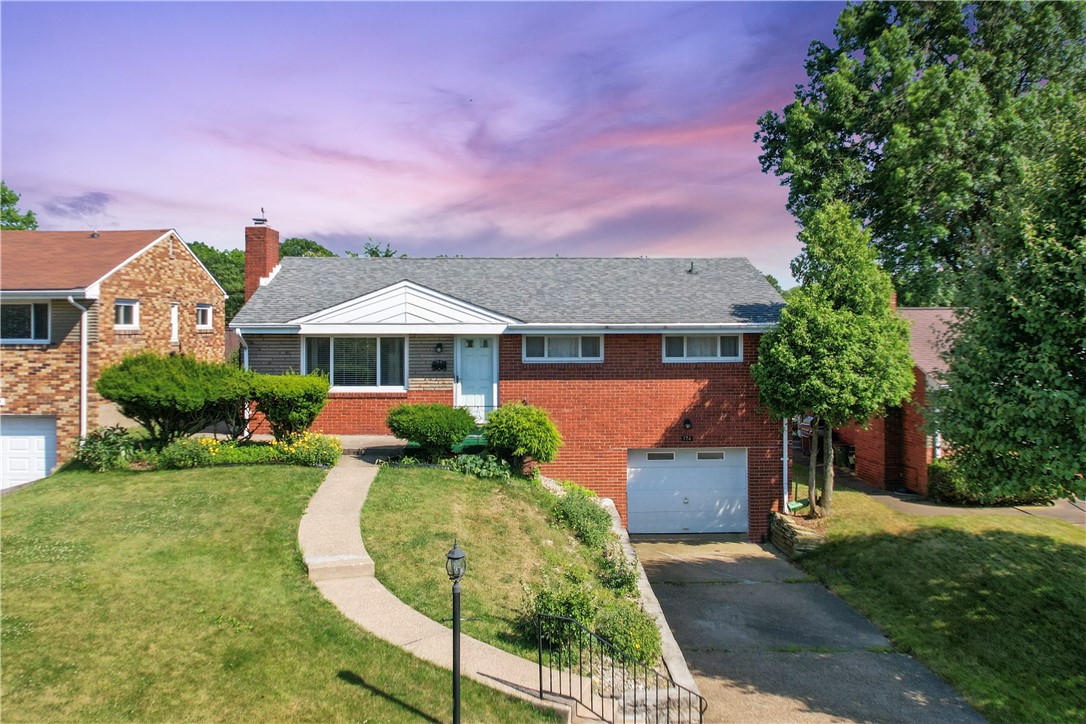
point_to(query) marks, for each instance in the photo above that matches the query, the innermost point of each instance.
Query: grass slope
(993, 604)
(410, 520)
(182, 596)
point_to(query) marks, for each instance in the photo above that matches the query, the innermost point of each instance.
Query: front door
(477, 374)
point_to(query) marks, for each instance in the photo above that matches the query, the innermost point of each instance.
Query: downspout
(82, 365)
(784, 465)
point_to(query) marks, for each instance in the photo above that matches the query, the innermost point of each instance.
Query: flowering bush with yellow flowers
(308, 448)
(197, 452)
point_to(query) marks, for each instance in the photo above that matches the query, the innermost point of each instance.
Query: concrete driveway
(766, 645)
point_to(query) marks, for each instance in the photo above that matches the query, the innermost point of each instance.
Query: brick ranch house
(75, 302)
(894, 451)
(643, 364)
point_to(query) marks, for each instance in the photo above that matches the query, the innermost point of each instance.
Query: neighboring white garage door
(28, 448)
(687, 491)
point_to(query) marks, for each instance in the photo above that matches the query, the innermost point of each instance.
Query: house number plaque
(686, 438)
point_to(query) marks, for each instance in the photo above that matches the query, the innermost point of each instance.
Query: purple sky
(484, 129)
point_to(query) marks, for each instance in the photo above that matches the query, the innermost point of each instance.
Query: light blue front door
(477, 374)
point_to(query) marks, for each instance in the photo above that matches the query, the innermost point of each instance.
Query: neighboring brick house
(894, 451)
(643, 364)
(74, 302)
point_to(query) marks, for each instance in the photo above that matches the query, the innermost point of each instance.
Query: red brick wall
(916, 448)
(894, 450)
(634, 400)
(364, 413)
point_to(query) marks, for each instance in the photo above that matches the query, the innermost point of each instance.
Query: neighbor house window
(703, 348)
(374, 362)
(126, 314)
(203, 316)
(563, 348)
(24, 323)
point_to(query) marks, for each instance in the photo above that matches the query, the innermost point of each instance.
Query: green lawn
(182, 596)
(993, 604)
(410, 520)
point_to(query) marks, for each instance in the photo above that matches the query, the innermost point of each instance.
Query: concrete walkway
(338, 564)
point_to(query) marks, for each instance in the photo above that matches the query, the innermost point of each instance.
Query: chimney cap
(261, 220)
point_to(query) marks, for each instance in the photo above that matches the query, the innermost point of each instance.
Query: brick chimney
(261, 255)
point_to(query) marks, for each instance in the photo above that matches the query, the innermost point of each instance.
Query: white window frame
(135, 304)
(48, 322)
(210, 324)
(680, 360)
(360, 388)
(559, 360)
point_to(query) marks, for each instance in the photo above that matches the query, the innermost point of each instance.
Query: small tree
(175, 395)
(839, 353)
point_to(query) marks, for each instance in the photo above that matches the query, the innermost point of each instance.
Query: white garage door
(687, 491)
(28, 448)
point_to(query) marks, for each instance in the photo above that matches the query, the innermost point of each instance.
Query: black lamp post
(456, 562)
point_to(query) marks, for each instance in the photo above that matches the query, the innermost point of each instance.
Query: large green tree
(839, 352)
(297, 246)
(10, 215)
(1014, 409)
(910, 116)
(228, 268)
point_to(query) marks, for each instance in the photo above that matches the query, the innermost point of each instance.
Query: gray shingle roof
(566, 290)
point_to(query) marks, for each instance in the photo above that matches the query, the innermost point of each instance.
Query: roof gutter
(82, 365)
(82, 293)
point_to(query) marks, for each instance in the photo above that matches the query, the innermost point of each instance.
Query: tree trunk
(812, 476)
(827, 492)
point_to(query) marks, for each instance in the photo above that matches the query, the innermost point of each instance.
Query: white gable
(403, 308)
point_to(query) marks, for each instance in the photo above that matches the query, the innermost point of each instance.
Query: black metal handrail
(619, 688)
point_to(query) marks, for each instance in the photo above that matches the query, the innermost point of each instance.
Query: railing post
(539, 647)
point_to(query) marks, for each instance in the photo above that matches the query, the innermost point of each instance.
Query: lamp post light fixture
(456, 563)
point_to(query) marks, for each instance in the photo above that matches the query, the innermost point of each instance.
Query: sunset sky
(481, 129)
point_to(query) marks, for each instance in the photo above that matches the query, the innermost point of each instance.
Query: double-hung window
(24, 323)
(563, 348)
(703, 348)
(359, 362)
(203, 316)
(126, 314)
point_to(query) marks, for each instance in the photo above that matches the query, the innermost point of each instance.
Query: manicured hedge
(436, 428)
(290, 402)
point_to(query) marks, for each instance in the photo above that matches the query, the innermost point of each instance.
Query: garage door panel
(28, 448)
(685, 494)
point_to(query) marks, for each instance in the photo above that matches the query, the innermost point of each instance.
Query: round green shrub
(518, 432)
(436, 428)
(290, 402)
(630, 630)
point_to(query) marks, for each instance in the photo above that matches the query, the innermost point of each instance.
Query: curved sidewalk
(331, 543)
